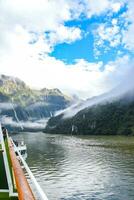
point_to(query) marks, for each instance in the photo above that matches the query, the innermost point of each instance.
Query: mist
(39, 124)
(125, 88)
(6, 106)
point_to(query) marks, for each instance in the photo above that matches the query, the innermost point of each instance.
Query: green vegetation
(29, 104)
(107, 119)
(18, 92)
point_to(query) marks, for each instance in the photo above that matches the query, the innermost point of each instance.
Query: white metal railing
(8, 174)
(33, 179)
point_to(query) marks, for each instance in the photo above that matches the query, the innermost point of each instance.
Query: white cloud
(37, 16)
(98, 7)
(108, 33)
(40, 124)
(115, 33)
(117, 70)
(79, 78)
(128, 38)
(82, 78)
(64, 34)
(116, 6)
(42, 22)
(117, 74)
(128, 34)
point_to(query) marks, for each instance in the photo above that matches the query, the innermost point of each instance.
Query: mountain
(18, 102)
(99, 116)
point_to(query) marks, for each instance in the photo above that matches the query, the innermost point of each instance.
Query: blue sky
(82, 47)
(85, 47)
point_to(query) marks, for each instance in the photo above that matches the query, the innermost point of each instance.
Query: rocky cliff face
(18, 102)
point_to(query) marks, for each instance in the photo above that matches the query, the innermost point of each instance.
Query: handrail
(23, 188)
(9, 180)
(36, 184)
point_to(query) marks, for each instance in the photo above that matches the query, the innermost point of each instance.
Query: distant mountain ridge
(103, 117)
(17, 91)
(29, 104)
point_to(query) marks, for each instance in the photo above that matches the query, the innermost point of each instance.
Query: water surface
(82, 168)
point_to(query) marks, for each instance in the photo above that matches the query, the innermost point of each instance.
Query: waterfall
(16, 117)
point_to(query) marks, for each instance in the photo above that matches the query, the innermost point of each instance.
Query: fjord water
(82, 167)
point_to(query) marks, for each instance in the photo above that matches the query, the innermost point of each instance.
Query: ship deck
(3, 178)
(13, 182)
(4, 188)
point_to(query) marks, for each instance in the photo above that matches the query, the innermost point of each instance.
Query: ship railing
(38, 188)
(8, 174)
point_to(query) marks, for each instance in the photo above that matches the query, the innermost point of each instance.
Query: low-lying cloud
(27, 39)
(39, 124)
(125, 87)
(6, 106)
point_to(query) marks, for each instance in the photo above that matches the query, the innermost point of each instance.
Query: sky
(82, 47)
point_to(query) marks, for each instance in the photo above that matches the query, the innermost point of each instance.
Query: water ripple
(82, 168)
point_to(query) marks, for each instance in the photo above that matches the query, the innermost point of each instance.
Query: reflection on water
(82, 168)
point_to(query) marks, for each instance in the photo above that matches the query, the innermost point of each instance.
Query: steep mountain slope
(19, 102)
(108, 117)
